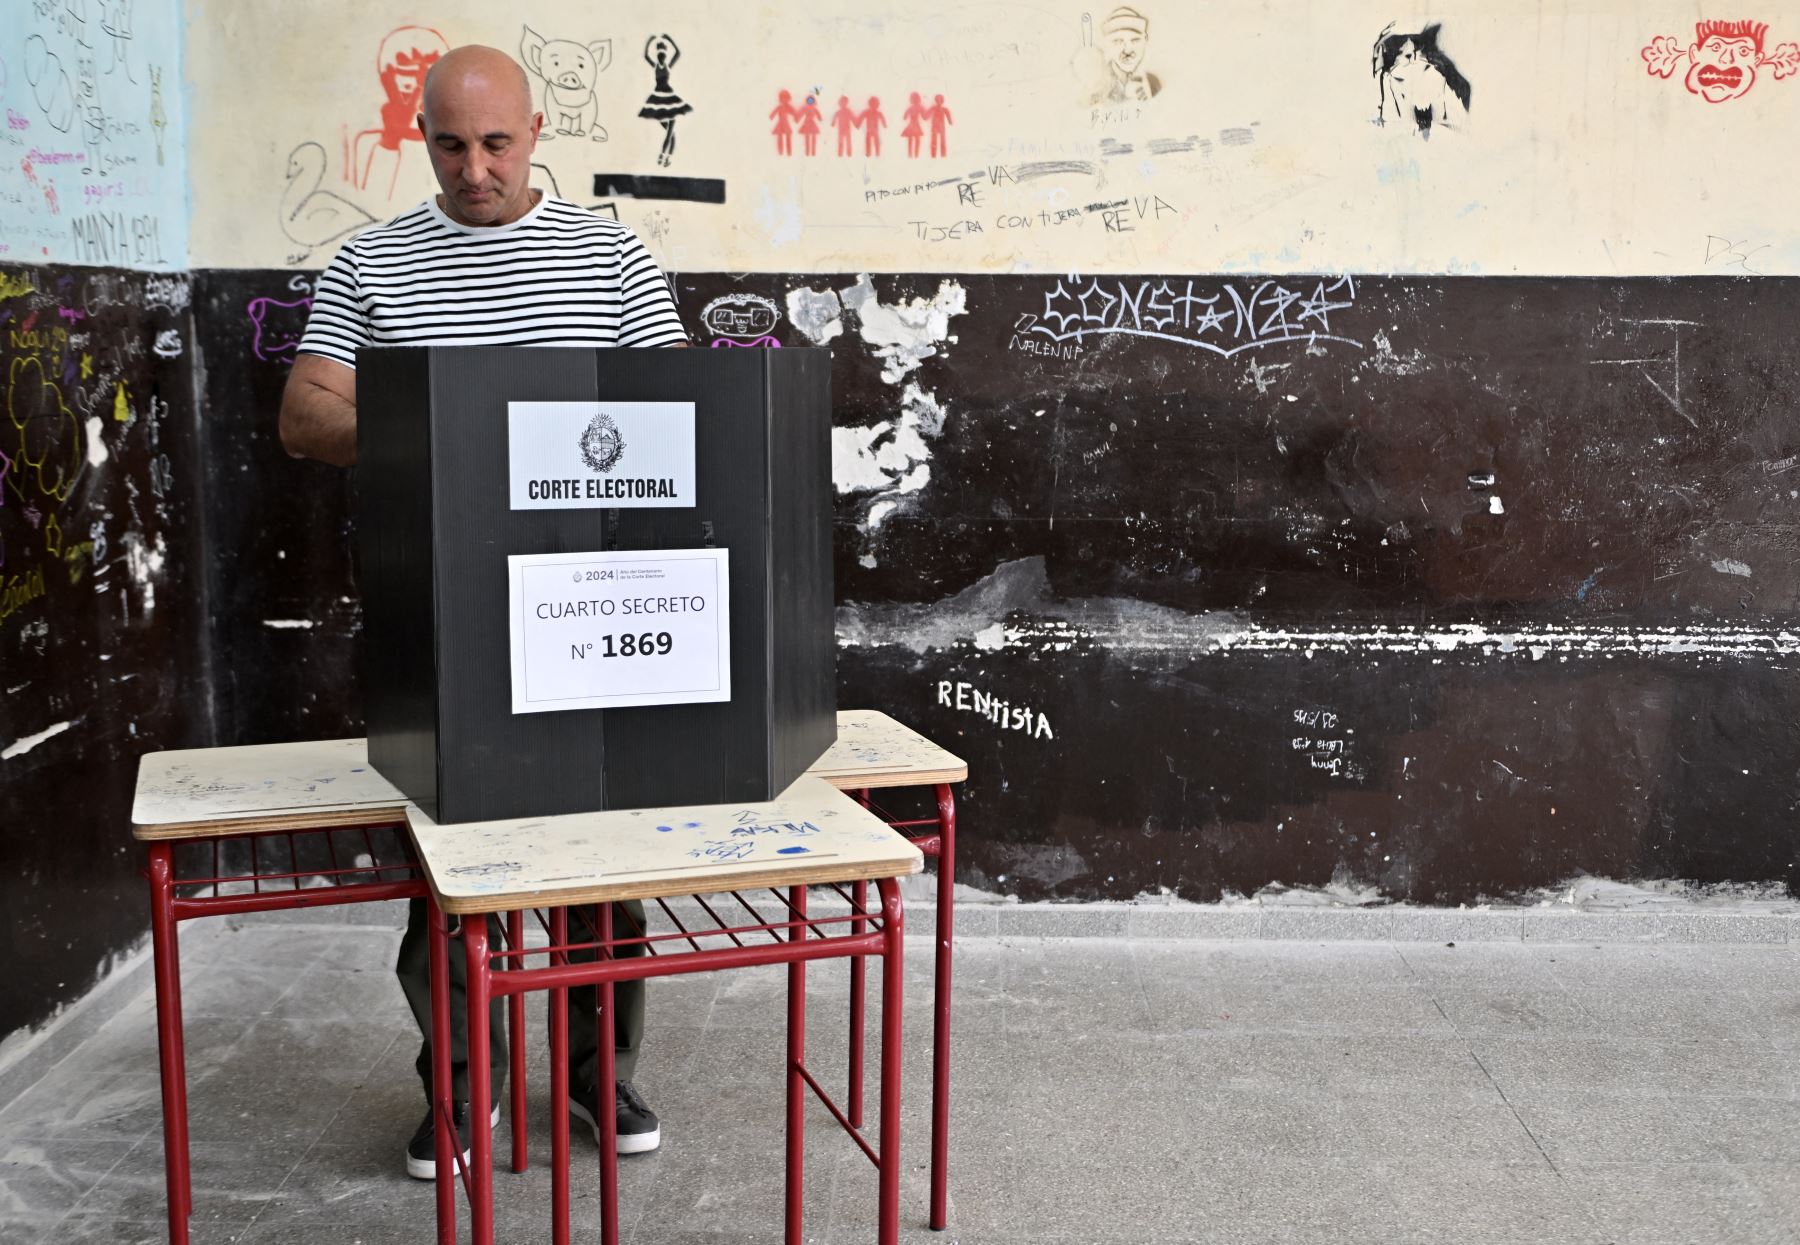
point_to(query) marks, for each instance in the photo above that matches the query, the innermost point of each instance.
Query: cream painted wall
(1258, 153)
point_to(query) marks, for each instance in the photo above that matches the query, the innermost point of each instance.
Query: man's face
(481, 136)
(1722, 68)
(1125, 49)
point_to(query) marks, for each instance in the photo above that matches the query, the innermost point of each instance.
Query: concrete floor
(1105, 1091)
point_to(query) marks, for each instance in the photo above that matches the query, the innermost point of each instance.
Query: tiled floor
(1105, 1091)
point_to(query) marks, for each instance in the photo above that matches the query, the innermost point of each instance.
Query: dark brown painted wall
(1239, 593)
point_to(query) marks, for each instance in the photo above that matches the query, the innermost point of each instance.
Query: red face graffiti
(1722, 68)
(1724, 59)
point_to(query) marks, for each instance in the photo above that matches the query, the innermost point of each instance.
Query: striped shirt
(558, 276)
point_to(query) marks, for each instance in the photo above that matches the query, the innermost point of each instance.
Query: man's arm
(318, 411)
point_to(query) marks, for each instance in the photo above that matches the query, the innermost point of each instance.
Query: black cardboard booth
(594, 578)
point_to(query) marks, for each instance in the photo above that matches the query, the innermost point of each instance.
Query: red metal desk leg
(481, 1139)
(171, 1053)
(940, 1032)
(796, 1084)
(443, 1125)
(559, 1088)
(608, 1096)
(515, 1029)
(859, 894)
(893, 990)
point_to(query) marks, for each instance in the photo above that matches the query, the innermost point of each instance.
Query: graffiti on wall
(1421, 89)
(663, 106)
(922, 121)
(569, 71)
(1113, 70)
(311, 216)
(1723, 61)
(86, 131)
(741, 319)
(377, 153)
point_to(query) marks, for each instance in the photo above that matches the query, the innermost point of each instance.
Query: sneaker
(639, 1131)
(421, 1151)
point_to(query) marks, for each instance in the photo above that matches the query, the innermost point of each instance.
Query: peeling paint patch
(816, 313)
(144, 561)
(20, 747)
(889, 459)
(782, 218)
(1012, 610)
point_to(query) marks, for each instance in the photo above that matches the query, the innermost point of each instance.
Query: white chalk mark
(1731, 566)
(285, 624)
(21, 746)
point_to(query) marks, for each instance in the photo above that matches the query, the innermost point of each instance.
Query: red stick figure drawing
(1723, 60)
(402, 62)
(915, 113)
(810, 116)
(872, 119)
(845, 120)
(784, 114)
(939, 117)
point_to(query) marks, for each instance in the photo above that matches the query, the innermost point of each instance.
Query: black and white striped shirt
(557, 276)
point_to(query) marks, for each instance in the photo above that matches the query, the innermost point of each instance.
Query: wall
(1259, 485)
(1458, 570)
(99, 615)
(1258, 152)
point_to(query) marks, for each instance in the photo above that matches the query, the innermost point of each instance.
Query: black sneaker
(639, 1132)
(421, 1151)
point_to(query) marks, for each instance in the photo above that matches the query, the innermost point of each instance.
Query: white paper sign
(599, 455)
(609, 630)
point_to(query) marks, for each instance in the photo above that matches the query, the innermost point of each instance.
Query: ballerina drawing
(664, 105)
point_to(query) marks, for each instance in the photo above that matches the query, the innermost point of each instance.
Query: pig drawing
(569, 70)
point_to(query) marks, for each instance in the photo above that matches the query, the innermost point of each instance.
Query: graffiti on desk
(744, 837)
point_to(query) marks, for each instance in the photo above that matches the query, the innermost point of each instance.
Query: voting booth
(594, 578)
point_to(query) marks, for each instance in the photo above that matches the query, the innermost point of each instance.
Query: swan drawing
(310, 216)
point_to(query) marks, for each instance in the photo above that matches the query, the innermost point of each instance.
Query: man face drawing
(1125, 36)
(1724, 59)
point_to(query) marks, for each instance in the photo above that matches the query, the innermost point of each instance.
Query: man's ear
(420, 122)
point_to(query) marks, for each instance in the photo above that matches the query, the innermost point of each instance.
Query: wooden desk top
(200, 793)
(873, 750)
(812, 833)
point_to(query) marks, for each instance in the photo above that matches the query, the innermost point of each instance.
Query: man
(490, 261)
(1125, 35)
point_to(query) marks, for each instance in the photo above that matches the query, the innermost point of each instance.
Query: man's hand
(318, 411)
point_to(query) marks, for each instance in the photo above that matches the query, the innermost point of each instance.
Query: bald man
(489, 261)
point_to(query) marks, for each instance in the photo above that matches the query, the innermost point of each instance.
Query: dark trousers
(413, 967)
